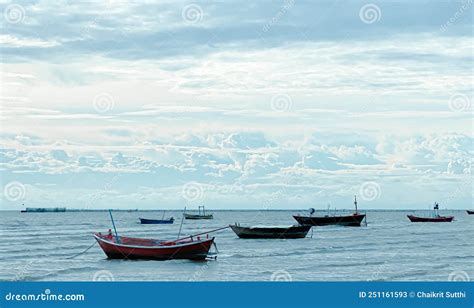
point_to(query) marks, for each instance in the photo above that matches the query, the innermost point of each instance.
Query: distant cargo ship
(44, 210)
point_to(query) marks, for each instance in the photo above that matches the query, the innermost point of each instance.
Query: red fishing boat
(436, 217)
(430, 219)
(150, 249)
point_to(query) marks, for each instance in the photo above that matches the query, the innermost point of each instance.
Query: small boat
(145, 221)
(192, 216)
(122, 247)
(436, 217)
(162, 221)
(201, 214)
(430, 219)
(353, 220)
(270, 231)
(470, 212)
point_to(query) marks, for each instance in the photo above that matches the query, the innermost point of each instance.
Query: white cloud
(11, 41)
(331, 172)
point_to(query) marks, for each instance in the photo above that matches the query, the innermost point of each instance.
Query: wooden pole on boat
(205, 232)
(182, 220)
(115, 229)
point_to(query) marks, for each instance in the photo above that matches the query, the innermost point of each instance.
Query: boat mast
(436, 209)
(355, 203)
(182, 220)
(113, 224)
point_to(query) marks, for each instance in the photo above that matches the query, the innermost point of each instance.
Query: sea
(50, 247)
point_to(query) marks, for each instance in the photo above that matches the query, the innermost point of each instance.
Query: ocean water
(36, 247)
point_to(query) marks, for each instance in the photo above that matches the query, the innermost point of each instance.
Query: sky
(236, 104)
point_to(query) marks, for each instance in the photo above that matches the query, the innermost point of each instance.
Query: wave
(57, 273)
(418, 274)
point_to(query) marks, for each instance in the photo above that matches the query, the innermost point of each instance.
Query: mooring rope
(83, 252)
(215, 246)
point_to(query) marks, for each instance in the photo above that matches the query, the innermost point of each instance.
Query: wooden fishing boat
(436, 217)
(161, 221)
(193, 216)
(470, 212)
(270, 231)
(430, 219)
(353, 220)
(150, 249)
(201, 214)
(145, 221)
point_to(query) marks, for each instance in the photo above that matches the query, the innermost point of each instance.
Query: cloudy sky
(236, 104)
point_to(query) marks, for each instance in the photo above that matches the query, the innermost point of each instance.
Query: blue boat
(145, 221)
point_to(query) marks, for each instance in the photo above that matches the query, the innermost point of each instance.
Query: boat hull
(430, 219)
(470, 212)
(148, 249)
(191, 216)
(145, 221)
(349, 221)
(271, 232)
